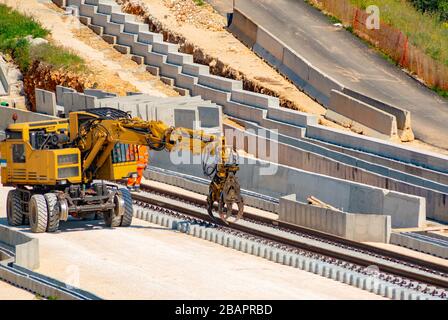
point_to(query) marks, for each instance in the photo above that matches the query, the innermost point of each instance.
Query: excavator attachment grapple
(225, 187)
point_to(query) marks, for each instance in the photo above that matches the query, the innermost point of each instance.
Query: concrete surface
(9, 292)
(26, 248)
(4, 84)
(407, 240)
(158, 263)
(6, 114)
(405, 210)
(46, 102)
(345, 58)
(307, 156)
(357, 227)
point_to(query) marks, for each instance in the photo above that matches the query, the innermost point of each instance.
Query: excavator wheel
(126, 219)
(38, 213)
(14, 209)
(122, 201)
(53, 212)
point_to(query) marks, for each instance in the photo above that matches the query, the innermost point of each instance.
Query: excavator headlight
(64, 159)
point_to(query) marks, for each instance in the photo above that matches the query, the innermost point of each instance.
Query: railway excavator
(66, 167)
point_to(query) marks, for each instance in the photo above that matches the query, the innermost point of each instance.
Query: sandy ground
(146, 261)
(9, 292)
(112, 71)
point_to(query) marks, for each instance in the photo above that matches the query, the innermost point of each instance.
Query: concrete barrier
(6, 114)
(287, 61)
(405, 210)
(357, 227)
(244, 28)
(403, 116)
(361, 116)
(4, 84)
(46, 102)
(425, 159)
(26, 248)
(406, 240)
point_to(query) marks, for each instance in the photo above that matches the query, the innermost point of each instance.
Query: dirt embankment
(200, 31)
(106, 69)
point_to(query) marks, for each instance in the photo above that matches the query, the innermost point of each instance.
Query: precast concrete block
(220, 83)
(164, 47)
(186, 81)
(141, 49)
(179, 58)
(254, 99)
(113, 29)
(207, 93)
(127, 39)
(149, 37)
(92, 2)
(76, 3)
(109, 38)
(108, 8)
(135, 27)
(295, 67)
(155, 59)
(195, 69)
(243, 28)
(85, 20)
(87, 10)
(269, 47)
(100, 20)
(121, 18)
(170, 70)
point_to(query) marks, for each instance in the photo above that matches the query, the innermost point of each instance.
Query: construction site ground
(9, 292)
(146, 261)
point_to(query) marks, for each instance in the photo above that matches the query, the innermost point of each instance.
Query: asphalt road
(341, 55)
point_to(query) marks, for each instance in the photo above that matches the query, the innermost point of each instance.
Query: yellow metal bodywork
(41, 167)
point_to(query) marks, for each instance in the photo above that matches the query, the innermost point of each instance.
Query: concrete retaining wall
(187, 112)
(303, 74)
(357, 227)
(425, 159)
(401, 239)
(26, 248)
(405, 210)
(348, 111)
(310, 157)
(190, 76)
(6, 114)
(46, 102)
(4, 84)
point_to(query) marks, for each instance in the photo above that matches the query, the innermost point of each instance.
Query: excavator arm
(95, 132)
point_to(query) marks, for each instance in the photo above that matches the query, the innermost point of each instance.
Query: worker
(142, 163)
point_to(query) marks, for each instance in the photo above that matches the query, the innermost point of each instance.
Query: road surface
(344, 57)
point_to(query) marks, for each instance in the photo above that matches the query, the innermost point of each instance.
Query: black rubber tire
(111, 220)
(126, 219)
(53, 212)
(14, 210)
(38, 213)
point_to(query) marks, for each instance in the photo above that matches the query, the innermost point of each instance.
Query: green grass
(199, 2)
(15, 27)
(424, 30)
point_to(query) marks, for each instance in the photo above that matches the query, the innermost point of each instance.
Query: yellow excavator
(61, 168)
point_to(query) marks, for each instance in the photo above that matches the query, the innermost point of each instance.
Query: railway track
(408, 272)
